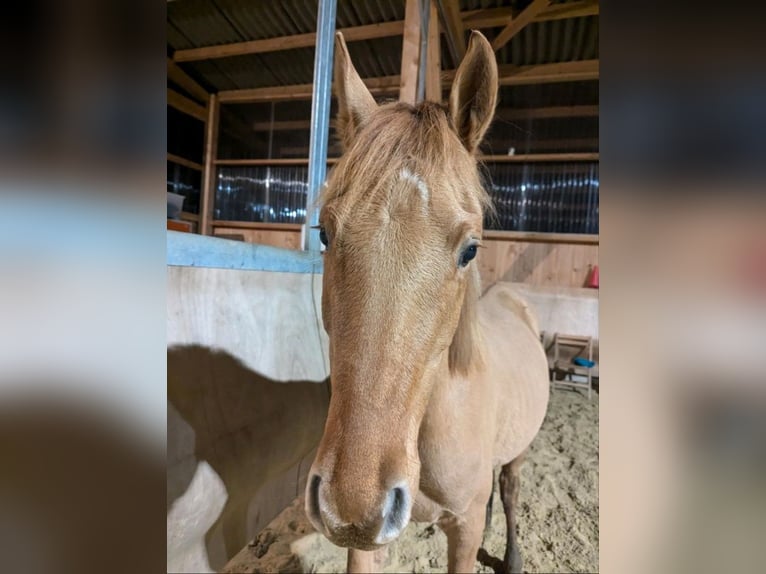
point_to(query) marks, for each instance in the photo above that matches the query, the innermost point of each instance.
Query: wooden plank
(533, 157)
(433, 58)
(208, 177)
(352, 34)
(183, 79)
(512, 114)
(578, 71)
(377, 86)
(185, 105)
(537, 237)
(539, 157)
(185, 162)
(286, 125)
(509, 75)
(236, 372)
(569, 10)
(494, 17)
(182, 226)
(518, 23)
(540, 261)
(188, 216)
(408, 84)
(488, 18)
(280, 161)
(284, 238)
(258, 225)
(454, 30)
(524, 145)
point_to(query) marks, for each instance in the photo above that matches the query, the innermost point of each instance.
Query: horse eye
(323, 236)
(467, 255)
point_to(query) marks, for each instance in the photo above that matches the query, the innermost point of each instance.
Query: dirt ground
(557, 523)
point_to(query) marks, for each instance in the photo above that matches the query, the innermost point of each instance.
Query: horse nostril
(313, 505)
(396, 514)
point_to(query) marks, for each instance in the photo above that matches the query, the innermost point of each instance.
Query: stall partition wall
(248, 392)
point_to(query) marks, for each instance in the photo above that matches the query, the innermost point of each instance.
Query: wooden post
(433, 60)
(408, 84)
(208, 177)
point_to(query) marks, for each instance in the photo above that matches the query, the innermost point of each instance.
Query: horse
(433, 385)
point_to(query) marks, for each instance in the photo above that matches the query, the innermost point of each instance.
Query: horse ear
(474, 92)
(355, 102)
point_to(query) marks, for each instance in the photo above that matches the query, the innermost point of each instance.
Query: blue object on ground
(579, 361)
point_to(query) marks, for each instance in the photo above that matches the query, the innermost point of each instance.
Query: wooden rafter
(287, 125)
(518, 23)
(408, 86)
(433, 58)
(523, 145)
(185, 162)
(578, 71)
(512, 114)
(185, 81)
(453, 28)
(520, 158)
(353, 34)
(509, 75)
(509, 114)
(487, 18)
(185, 105)
(494, 17)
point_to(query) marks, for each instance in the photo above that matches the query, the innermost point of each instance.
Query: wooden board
(536, 263)
(176, 225)
(285, 238)
(247, 400)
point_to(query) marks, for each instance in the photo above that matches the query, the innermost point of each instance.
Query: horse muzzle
(365, 528)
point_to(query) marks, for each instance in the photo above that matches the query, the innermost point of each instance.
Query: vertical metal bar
(425, 11)
(320, 118)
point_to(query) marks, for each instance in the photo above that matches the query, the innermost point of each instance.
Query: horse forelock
(400, 138)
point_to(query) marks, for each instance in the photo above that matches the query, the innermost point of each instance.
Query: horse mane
(421, 139)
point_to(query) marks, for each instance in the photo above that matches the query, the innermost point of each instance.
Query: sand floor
(557, 523)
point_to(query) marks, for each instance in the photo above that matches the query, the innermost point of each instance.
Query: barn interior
(247, 354)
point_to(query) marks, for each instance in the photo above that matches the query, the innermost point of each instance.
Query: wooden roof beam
(352, 34)
(185, 81)
(285, 126)
(509, 75)
(453, 28)
(494, 17)
(512, 114)
(187, 106)
(488, 18)
(518, 23)
(509, 114)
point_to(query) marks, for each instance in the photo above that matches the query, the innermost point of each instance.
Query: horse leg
(365, 562)
(510, 478)
(464, 536)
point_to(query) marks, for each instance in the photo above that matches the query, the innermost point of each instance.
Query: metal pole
(320, 118)
(425, 12)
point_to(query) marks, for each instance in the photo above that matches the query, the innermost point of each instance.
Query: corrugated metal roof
(200, 23)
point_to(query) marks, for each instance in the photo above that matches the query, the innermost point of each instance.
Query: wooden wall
(543, 259)
(558, 260)
(247, 358)
(284, 235)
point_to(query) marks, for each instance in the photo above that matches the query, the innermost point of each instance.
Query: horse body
(476, 423)
(422, 408)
